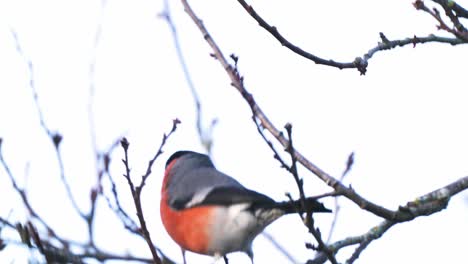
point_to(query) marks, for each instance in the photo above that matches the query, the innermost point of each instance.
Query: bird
(208, 212)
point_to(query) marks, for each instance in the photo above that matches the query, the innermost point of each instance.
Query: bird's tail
(311, 205)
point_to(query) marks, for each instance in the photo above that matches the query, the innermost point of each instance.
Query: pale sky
(405, 120)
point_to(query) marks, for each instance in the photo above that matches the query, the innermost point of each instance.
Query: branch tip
(124, 143)
(56, 139)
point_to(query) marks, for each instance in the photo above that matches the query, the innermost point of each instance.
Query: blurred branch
(22, 193)
(53, 254)
(136, 191)
(336, 211)
(95, 191)
(30, 67)
(91, 77)
(55, 137)
(28, 233)
(205, 135)
(360, 63)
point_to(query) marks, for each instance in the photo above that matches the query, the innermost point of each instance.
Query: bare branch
(424, 205)
(276, 155)
(360, 63)
(453, 11)
(453, 6)
(459, 30)
(373, 233)
(136, 198)
(127, 221)
(175, 122)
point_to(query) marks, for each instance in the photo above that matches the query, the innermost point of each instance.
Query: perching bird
(208, 212)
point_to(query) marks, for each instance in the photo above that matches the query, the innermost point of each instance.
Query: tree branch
(458, 30)
(359, 63)
(424, 205)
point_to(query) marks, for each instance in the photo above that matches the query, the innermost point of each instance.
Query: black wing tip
(323, 209)
(177, 155)
(317, 207)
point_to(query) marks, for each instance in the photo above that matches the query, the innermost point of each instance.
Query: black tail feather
(311, 205)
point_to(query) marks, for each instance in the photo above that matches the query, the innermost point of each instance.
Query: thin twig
(32, 85)
(124, 217)
(175, 122)
(297, 179)
(136, 198)
(336, 211)
(276, 155)
(89, 218)
(57, 138)
(136, 191)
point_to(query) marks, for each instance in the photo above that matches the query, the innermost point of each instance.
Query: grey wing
(192, 189)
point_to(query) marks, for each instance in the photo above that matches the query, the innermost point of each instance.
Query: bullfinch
(208, 212)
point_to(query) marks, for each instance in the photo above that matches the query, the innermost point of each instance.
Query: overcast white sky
(406, 120)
